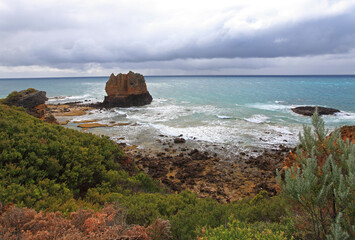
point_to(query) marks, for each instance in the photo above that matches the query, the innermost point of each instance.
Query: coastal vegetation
(60, 183)
(321, 182)
(49, 168)
(15, 95)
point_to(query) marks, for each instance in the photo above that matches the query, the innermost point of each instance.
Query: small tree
(322, 181)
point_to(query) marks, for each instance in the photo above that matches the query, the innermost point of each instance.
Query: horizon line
(202, 75)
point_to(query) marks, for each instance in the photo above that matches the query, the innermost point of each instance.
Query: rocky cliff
(126, 90)
(33, 101)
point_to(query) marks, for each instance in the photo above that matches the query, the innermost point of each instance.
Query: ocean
(236, 112)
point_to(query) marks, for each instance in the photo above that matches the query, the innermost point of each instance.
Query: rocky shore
(209, 174)
(179, 166)
(177, 163)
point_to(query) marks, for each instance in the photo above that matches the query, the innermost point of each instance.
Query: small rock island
(309, 110)
(126, 90)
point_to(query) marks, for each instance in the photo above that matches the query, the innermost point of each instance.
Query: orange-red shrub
(109, 223)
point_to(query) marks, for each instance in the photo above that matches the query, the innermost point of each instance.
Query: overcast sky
(40, 38)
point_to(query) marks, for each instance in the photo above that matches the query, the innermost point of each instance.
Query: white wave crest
(223, 117)
(257, 118)
(345, 115)
(272, 107)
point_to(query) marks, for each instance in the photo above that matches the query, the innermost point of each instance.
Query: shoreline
(209, 174)
(183, 165)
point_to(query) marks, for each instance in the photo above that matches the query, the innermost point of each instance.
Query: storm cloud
(185, 37)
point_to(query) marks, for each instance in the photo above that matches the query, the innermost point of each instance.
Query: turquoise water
(228, 110)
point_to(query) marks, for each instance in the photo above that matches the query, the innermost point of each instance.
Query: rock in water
(126, 90)
(33, 101)
(308, 110)
(179, 140)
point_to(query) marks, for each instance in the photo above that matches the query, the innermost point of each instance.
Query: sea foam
(257, 118)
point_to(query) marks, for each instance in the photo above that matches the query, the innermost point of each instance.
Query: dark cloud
(331, 35)
(65, 37)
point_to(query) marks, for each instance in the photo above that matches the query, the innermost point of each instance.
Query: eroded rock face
(126, 90)
(308, 110)
(34, 102)
(28, 99)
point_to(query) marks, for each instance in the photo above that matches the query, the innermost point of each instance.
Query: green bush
(52, 168)
(322, 183)
(36, 157)
(189, 214)
(29, 90)
(261, 208)
(13, 96)
(236, 229)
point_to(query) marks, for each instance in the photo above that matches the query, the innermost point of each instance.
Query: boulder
(309, 110)
(179, 140)
(126, 90)
(33, 101)
(28, 99)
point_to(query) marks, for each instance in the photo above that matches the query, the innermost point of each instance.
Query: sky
(58, 38)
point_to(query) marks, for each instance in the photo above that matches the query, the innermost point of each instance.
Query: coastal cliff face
(126, 90)
(33, 101)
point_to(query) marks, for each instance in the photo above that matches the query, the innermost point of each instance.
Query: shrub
(261, 207)
(52, 168)
(13, 97)
(24, 223)
(321, 182)
(236, 229)
(160, 229)
(46, 166)
(29, 90)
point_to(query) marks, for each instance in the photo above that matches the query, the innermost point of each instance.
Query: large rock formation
(308, 110)
(33, 101)
(126, 90)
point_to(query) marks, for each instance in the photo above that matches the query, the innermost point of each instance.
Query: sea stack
(126, 90)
